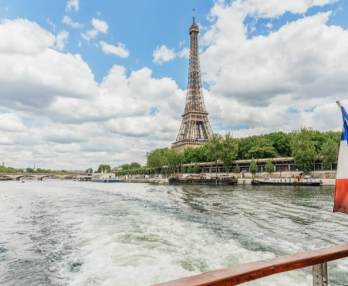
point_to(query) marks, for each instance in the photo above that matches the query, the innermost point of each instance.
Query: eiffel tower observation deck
(195, 128)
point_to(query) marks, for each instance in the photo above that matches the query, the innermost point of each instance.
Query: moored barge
(202, 179)
(305, 181)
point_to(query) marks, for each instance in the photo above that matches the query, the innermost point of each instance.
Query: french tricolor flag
(341, 193)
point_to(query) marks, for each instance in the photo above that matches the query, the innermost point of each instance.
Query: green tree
(236, 169)
(190, 170)
(229, 151)
(245, 144)
(29, 170)
(304, 150)
(125, 167)
(104, 168)
(194, 155)
(174, 159)
(253, 167)
(329, 153)
(281, 143)
(214, 148)
(189, 155)
(262, 148)
(269, 167)
(7, 170)
(157, 158)
(134, 165)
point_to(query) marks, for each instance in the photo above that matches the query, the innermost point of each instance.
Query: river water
(83, 233)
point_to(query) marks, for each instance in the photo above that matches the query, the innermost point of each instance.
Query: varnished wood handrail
(255, 270)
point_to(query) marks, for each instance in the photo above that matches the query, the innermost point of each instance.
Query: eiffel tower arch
(195, 128)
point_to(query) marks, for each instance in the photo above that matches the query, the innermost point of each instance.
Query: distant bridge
(38, 176)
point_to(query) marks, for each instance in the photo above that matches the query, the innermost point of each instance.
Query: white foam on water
(137, 234)
(154, 248)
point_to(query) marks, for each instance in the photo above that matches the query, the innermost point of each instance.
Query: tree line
(306, 146)
(10, 170)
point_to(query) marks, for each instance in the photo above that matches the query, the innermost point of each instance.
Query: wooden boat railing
(255, 270)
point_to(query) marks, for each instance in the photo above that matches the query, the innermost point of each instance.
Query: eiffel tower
(195, 128)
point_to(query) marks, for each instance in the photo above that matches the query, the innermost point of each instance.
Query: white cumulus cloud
(119, 49)
(23, 37)
(70, 22)
(163, 54)
(33, 73)
(278, 81)
(54, 113)
(72, 5)
(61, 40)
(274, 8)
(99, 26)
(184, 53)
(89, 35)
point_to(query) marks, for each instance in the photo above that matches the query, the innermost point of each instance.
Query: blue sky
(141, 25)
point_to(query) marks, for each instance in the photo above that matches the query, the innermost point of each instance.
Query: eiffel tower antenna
(195, 128)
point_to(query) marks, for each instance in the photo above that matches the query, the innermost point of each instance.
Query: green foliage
(236, 169)
(217, 148)
(104, 168)
(134, 165)
(329, 151)
(245, 144)
(214, 148)
(304, 149)
(131, 166)
(263, 148)
(229, 151)
(193, 169)
(193, 155)
(157, 158)
(174, 158)
(7, 170)
(269, 167)
(305, 145)
(196, 169)
(281, 143)
(253, 167)
(189, 170)
(170, 158)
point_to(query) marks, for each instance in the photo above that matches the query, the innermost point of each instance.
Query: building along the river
(281, 164)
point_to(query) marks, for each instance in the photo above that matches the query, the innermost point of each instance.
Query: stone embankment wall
(144, 179)
(327, 177)
(245, 178)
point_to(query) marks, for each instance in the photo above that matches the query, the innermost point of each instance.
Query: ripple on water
(73, 233)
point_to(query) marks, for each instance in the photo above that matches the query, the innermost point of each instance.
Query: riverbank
(245, 178)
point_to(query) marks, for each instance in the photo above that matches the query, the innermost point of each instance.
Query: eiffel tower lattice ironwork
(195, 128)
